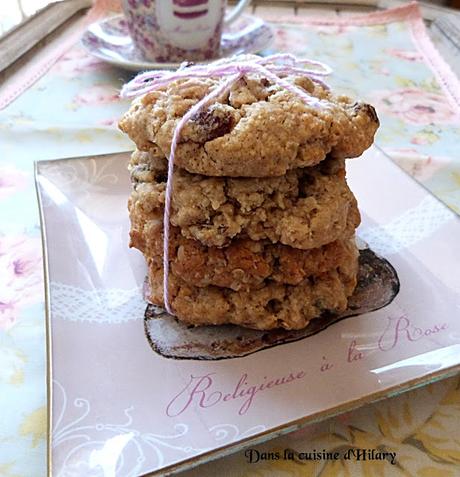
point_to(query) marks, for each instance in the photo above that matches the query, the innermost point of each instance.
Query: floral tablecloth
(383, 58)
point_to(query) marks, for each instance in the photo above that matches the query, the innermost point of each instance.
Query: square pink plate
(119, 409)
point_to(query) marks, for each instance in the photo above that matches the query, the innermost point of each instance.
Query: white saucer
(109, 40)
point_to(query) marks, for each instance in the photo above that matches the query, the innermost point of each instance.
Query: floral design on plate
(109, 40)
(89, 445)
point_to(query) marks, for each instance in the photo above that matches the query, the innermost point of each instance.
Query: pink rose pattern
(409, 55)
(77, 62)
(20, 259)
(21, 280)
(21, 276)
(11, 180)
(100, 94)
(415, 106)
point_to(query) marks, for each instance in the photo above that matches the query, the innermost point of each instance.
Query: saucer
(109, 40)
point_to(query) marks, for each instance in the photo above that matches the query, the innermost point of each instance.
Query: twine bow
(270, 67)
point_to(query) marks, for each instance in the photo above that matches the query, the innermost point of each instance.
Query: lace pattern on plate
(409, 228)
(114, 305)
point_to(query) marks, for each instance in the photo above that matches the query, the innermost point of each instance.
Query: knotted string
(270, 67)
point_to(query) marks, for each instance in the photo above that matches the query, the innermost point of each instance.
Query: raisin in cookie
(273, 305)
(305, 208)
(257, 129)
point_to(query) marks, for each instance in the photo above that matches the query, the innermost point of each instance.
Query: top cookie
(257, 129)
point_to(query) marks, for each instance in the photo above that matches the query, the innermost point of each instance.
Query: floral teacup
(176, 30)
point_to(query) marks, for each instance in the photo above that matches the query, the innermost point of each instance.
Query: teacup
(177, 30)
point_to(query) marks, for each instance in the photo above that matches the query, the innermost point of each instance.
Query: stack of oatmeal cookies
(262, 221)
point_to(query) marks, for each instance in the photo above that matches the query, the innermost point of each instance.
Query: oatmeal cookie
(243, 265)
(306, 208)
(273, 305)
(257, 129)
